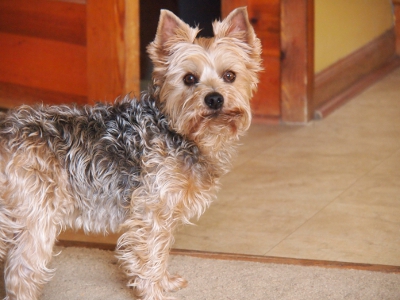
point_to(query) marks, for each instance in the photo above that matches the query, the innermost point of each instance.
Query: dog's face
(205, 85)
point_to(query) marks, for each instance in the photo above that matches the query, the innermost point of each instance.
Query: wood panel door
(286, 30)
(58, 52)
(265, 17)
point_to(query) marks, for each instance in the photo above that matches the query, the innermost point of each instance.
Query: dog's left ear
(170, 31)
(236, 25)
(171, 28)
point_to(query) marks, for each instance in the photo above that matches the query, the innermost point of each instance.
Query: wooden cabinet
(58, 52)
(88, 50)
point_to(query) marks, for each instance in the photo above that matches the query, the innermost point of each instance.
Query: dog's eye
(190, 79)
(229, 76)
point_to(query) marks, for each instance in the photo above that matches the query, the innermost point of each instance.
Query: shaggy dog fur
(143, 167)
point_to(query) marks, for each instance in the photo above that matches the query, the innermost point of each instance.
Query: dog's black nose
(214, 100)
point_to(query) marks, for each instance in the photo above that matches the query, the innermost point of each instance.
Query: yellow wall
(343, 26)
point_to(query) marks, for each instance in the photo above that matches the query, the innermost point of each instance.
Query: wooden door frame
(112, 48)
(297, 64)
(297, 57)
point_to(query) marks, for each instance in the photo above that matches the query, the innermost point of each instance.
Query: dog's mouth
(225, 117)
(220, 121)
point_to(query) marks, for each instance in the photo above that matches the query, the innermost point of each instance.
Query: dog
(139, 166)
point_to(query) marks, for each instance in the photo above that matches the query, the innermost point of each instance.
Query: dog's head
(204, 85)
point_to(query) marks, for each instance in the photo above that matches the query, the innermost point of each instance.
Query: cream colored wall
(343, 26)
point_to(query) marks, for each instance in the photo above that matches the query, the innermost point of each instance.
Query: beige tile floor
(329, 190)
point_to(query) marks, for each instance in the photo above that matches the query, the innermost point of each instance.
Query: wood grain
(43, 64)
(266, 101)
(297, 25)
(265, 18)
(112, 48)
(228, 5)
(53, 20)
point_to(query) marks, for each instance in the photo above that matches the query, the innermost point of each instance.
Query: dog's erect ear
(171, 30)
(237, 28)
(236, 25)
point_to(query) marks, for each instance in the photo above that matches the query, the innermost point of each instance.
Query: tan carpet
(94, 274)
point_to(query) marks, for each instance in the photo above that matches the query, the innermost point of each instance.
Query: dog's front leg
(143, 251)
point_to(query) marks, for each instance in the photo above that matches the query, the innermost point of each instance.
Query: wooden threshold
(288, 261)
(253, 258)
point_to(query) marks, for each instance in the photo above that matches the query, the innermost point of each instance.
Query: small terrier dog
(142, 167)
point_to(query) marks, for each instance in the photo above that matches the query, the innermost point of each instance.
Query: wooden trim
(287, 261)
(335, 84)
(112, 48)
(252, 258)
(297, 69)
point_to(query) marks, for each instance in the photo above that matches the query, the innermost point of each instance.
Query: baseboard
(343, 97)
(335, 85)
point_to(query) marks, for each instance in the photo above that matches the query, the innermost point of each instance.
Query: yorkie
(140, 166)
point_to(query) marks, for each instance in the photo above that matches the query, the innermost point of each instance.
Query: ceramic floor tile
(263, 201)
(258, 138)
(341, 233)
(362, 225)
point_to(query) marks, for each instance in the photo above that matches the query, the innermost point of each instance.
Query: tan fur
(145, 167)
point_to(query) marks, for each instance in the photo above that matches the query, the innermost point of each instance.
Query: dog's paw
(173, 283)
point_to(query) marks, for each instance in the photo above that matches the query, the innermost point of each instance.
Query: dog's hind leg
(7, 229)
(26, 270)
(4, 234)
(38, 204)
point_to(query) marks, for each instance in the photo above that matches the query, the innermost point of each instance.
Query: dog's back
(92, 155)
